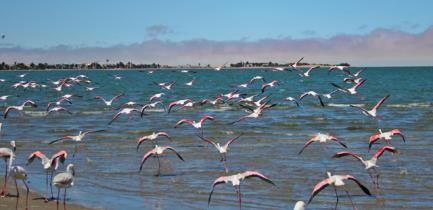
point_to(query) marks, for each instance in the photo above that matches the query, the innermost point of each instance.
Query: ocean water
(107, 163)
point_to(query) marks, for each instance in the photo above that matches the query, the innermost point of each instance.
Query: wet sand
(36, 200)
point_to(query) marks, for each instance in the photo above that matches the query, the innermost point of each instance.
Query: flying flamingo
(156, 96)
(110, 102)
(341, 68)
(291, 99)
(267, 85)
(222, 149)
(314, 94)
(151, 105)
(217, 100)
(356, 81)
(190, 82)
(387, 136)
(64, 180)
(307, 73)
(373, 111)
(295, 65)
(77, 138)
(371, 164)
(255, 113)
(8, 156)
(322, 138)
(127, 111)
(178, 103)
(337, 181)
(18, 172)
(18, 108)
(157, 151)
(236, 182)
(165, 85)
(197, 125)
(329, 95)
(58, 109)
(232, 95)
(257, 78)
(351, 90)
(358, 73)
(49, 164)
(151, 137)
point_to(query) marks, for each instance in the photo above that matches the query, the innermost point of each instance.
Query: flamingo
(110, 102)
(190, 82)
(387, 136)
(314, 94)
(257, 78)
(255, 113)
(373, 111)
(49, 164)
(307, 73)
(125, 111)
(18, 172)
(322, 138)
(8, 156)
(156, 96)
(151, 105)
(165, 85)
(217, 100)
(222, 149)
(178, 103)
(291, 99)
(57, 103)
(356, 81)
(371, 164)
(351, 90)
(295, 65)
(232, 95)
(358, 73)
(157, 151)
(64, 180)
(267, 85)
(341, 68)
(329, 95)
(278, 69)
(151, 137)
(18, 108)
(337, 181)
(236, 182)
(77, 138)
(197, 125)
(58, 109)
(90, 88)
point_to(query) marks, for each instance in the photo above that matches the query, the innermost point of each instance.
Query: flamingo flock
(237, 98)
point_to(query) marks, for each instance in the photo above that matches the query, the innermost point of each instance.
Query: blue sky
(380, 32)
(104, 23)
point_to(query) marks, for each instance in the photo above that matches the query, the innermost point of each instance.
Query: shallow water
(107, 164)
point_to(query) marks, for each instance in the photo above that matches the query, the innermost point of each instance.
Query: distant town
(130, 65)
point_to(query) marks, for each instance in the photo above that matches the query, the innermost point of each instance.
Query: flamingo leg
(350, 198)
(64, 200)
(4, 190)
(46, 187)
(159, 165)
(16, 186)
(51, 184)
(336, 195)
(58, 195)
(225, 166)
(27, 194)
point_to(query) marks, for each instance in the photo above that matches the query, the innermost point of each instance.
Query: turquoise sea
(107, 163)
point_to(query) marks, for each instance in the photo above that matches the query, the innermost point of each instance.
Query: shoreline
(36, 200)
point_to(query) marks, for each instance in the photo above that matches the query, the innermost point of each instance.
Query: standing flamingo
(18, 172)
(64, 180)
(8, 156)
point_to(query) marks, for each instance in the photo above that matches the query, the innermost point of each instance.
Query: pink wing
(206, 117)
(146, 156)
(383, 149)
(182, 122)
(319, 187)
(249, 174)
(37, 154)
(381, 102)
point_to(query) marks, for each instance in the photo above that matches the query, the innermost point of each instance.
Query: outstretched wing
(383, 149)
(319, 187)
(363, 188)
(219, 180)
(146, 156)
(344, 154)
(172, 149)
(379, 103)
(249, 174)
(37, 154)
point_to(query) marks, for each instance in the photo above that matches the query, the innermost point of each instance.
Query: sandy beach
(36, 200)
